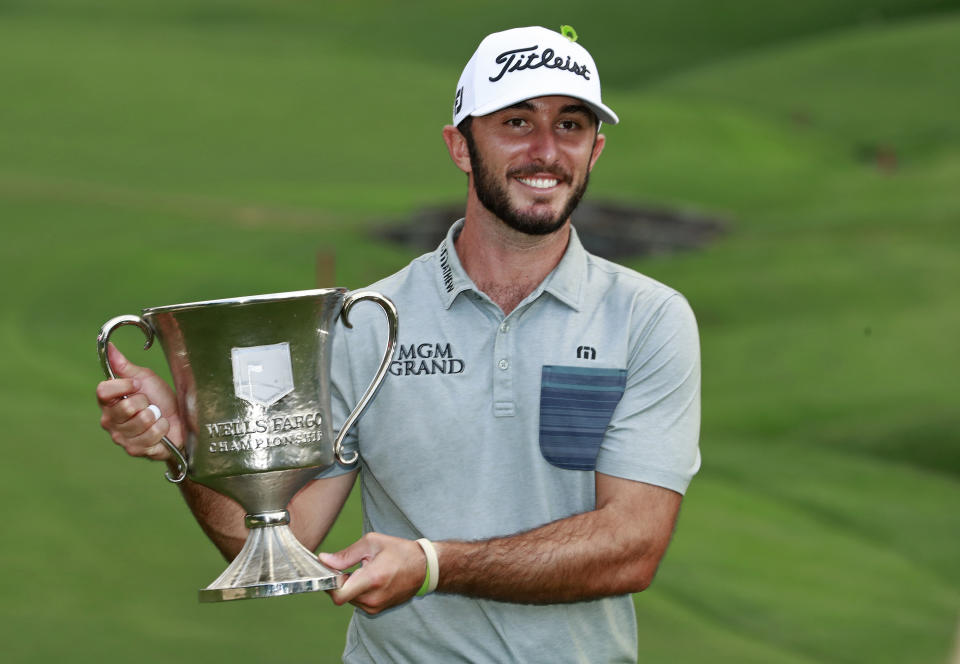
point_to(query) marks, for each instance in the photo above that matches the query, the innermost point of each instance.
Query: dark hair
(465, 128)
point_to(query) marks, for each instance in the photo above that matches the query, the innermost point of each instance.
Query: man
(523, 467)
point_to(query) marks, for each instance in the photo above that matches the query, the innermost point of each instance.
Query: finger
(147, 444)
(127, 410)
(140, 423)
(112, 390)
(159, 452)
(356, 585)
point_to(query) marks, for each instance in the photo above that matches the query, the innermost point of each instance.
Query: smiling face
(529, 164)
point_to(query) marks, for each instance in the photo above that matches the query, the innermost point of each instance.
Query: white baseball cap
(523, 63)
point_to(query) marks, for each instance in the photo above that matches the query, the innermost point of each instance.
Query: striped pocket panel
(576, 404)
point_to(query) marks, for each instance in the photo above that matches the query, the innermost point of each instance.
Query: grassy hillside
(153, 152)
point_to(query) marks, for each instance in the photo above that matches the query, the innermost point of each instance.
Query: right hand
(125, 414)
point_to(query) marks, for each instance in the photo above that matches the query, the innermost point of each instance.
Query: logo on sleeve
(426, 359)
(586, 353)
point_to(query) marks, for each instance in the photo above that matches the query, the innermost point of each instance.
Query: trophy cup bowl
(252, 377)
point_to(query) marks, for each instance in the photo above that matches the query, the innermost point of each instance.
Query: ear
(457, 147)
(597, 149)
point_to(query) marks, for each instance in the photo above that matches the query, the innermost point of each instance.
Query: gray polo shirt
(489, 425)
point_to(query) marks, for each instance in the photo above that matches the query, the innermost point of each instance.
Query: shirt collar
(565, 282)
(452, 279)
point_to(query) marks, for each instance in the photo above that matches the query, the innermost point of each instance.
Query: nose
(543, 144)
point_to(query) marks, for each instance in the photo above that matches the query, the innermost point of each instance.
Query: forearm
(312, 512)
(612, 550)
(220, 518)
(578, 558)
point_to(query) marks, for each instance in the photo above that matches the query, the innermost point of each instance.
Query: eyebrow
(569, 108)
(522, 106)
(576, 108)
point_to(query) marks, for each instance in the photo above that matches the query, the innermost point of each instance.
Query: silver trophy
(252, 376)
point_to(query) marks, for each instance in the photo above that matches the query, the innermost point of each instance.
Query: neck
(504, 263)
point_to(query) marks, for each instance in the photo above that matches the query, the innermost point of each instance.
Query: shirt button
(505, 327)
(503, 364)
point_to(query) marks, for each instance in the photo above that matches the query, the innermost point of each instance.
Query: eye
(568, 125)
(516, 122)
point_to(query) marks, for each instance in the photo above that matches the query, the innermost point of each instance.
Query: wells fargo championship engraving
(250, 435)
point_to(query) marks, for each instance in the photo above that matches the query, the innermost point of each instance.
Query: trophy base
(272, 563)
(271, 589)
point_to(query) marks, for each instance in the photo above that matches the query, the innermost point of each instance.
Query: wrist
(432, 577)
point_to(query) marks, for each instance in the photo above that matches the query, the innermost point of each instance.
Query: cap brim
(604, 113)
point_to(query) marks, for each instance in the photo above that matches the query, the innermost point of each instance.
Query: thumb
(122, 367)
(352, 555)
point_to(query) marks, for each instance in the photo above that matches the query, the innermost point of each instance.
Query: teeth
(539, 183)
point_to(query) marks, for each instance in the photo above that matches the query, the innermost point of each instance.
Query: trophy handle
(391, 311)
(102, 340)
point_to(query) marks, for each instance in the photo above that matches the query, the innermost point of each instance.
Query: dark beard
(494, 197)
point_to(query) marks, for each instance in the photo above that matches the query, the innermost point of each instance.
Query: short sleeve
(653, 435)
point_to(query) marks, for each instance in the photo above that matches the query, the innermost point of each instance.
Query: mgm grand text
(425, 359)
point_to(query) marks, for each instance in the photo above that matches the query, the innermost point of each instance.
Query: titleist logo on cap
(519, 59)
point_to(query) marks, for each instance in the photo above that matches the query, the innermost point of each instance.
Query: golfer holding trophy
(252, 379)
(522, 472)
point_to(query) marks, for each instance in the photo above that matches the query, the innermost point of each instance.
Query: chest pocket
(576, 404)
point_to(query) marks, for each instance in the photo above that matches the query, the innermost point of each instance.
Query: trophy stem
(272, 562)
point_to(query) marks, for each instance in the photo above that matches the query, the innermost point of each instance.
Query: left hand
(392, 571)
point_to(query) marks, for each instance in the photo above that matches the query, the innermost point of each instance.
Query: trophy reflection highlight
(252, 377)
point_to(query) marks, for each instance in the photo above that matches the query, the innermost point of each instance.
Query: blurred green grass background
(157, 152)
